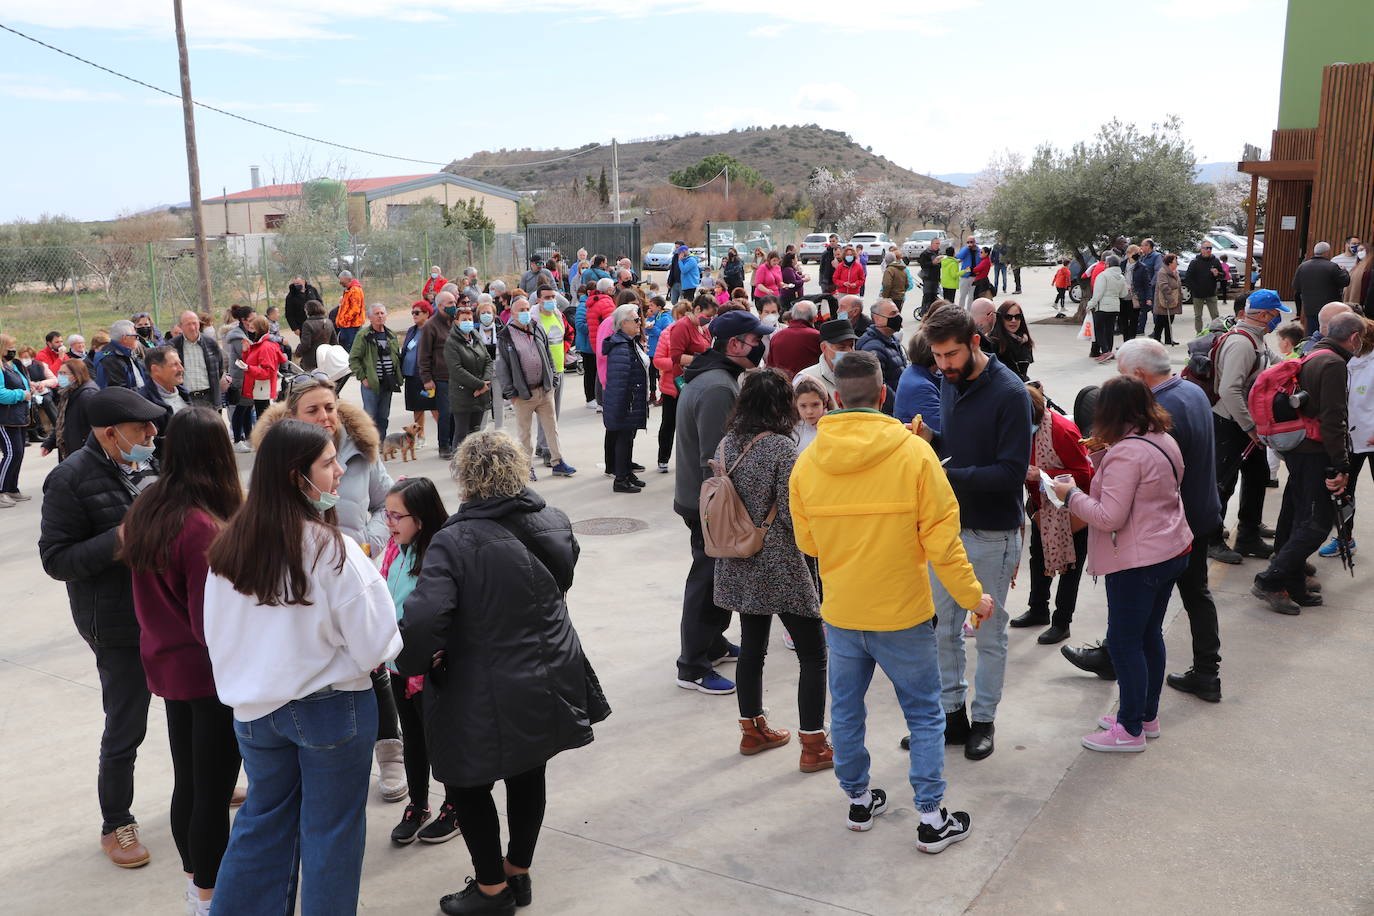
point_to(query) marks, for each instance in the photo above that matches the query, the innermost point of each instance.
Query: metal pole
(188, 116)
(727, 182)
(1250, 230)
(615, 178)
(152, 280)
(266, 290)
(76, 300)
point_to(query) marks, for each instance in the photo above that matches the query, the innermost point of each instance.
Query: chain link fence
(746, 235)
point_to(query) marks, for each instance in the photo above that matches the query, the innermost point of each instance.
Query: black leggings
(667, 428)
(482, 831)
(1164, 327)
(244, 417)
(412, 718)
(809, 639)
(588, 375)
(388, 725)
(1059, 294)
(205, 766)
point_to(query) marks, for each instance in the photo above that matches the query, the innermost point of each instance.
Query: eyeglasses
(396, 516)
(310, 380)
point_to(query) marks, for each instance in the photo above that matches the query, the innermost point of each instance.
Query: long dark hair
(999, 329)
(1125, 407)
(765, 405)
(422, 500)
(262, 549)
(198, 472)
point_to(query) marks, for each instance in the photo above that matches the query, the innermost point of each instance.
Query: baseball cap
(681, 249)
(738, 323)
(1263, 299)
(112, 406)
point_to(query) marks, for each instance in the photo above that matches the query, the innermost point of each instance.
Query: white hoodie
(264, 657)
(1361, 402)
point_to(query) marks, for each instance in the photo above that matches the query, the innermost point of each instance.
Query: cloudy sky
(937, 87)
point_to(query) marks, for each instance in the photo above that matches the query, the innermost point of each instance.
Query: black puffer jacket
(512, 690)
(84, 501)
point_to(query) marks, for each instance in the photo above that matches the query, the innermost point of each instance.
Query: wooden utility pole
(615, 178)
(188, 116)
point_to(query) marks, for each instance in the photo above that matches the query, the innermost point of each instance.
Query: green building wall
(1320, 32)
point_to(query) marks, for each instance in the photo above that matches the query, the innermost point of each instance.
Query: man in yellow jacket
(870, 500)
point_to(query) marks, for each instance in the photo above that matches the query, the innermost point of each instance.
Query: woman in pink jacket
(768, 277)
(1139, 539)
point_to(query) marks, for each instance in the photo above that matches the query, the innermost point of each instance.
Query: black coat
(1198, 277)
(316, 331)
(734, 275)
(75, 429)
(625, 396)
(296, 298)
(84, 501)
(512, 690)
(1317, 282)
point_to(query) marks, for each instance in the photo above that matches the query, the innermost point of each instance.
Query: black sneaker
(520, 886)
(1221, 553)
(443, 828)
(935, 839)
(1252, 545)
(861, 816)
(403, 834)
(636, 468)
(471, 900)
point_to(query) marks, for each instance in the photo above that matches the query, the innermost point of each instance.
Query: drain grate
(609, 525)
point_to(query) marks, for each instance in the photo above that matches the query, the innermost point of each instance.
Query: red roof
(286, 191)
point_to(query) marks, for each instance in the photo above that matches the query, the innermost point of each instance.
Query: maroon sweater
(171, 614)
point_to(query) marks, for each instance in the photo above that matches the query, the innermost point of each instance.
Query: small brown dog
(402, 442)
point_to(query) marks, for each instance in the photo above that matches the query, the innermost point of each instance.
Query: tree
(468, 214)
(603, 193)
(893, 203)
(833, 195)
(936, 208)
(573, 204)
(1231, 206)
(712, 166)
(676, 213)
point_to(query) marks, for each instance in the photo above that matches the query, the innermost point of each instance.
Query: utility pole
(188, 116)
(615, 178)
(727, 182)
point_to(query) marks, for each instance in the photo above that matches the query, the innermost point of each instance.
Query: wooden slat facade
(1339, 202)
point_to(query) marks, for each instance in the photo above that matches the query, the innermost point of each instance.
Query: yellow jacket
(870, 500)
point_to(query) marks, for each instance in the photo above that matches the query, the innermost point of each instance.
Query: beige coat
(1168, 292)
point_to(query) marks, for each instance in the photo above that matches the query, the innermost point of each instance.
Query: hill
(785, 156)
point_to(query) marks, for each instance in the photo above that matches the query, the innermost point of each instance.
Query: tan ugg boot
(391, 779)
(755, 736)
(816, 752)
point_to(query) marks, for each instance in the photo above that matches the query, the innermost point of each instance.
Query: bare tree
(575, 204)
(833, 195)
(893, 203)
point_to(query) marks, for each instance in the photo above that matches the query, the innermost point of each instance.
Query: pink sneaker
(969, 631)
(1149, 729)
(1116, 740)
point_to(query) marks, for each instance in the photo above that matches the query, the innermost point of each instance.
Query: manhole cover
(609, 525)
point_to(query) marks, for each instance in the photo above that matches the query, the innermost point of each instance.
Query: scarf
(1056, 535)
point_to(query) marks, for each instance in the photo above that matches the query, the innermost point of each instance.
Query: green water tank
(324, 195)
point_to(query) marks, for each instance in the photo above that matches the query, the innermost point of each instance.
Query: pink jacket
(769, 276)
(603, 331)
(1134, 512)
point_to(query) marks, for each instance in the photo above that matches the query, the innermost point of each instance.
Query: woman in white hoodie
(296, 616)
(1360, 422)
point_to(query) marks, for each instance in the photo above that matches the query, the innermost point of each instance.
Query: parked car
(1227, 242)
(350, 260)
(812, 247)
(659, 256)
(873, 244)
(920, 240)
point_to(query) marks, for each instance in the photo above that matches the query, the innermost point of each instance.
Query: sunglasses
(310, 380)
(1012, 316)
(418, 312)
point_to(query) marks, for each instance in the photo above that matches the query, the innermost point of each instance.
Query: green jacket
(362, 359)
(949, 272)
(470, 367)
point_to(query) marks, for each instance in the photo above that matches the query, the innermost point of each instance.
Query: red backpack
(1276, 403)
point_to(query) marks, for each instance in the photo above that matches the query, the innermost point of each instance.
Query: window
(397, 214)
(273, 221)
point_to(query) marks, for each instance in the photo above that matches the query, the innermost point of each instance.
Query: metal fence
(614, 240)
(746, 235)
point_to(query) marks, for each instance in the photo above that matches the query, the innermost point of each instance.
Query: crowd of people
(331, 613)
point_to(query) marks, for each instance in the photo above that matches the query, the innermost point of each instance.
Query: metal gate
(614, 240)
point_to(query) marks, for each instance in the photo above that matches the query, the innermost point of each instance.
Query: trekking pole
(1345, 524)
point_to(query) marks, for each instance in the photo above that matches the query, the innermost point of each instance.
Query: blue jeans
(1136, 601)
(994, 555)
(309, 764)
(910, 660)
(377, 405)
(999, 273)
(442, 405)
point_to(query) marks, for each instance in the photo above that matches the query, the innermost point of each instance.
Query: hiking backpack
(1276, 403)
(1202, 361)
(726, 528)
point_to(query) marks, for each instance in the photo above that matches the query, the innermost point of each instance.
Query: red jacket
(981, 270)
(849, 279)
(262, 358)
(794, 347)
(47, 357)
(432, 286)
(170, 607)
(1073, 458)
(1062, 277)
(683, 336)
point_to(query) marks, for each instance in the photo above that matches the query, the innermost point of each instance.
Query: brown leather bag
(726, 527)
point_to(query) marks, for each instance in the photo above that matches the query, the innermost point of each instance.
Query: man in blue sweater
(1191, 413)
(985, 440)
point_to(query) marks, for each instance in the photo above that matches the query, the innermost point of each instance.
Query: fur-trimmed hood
(354, 423)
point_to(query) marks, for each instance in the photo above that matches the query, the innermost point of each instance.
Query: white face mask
(771, 320)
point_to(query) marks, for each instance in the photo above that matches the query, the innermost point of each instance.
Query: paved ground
(1260, 804)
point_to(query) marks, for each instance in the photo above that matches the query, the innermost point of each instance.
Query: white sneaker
(592, 405)
(242, 446)
(6, 502)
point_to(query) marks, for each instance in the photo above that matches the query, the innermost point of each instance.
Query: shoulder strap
(528, 541)
(752, 442)
(726, 472)
(1156, 447)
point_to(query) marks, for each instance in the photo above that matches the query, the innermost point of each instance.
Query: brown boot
(124, 848)
(816, 752)
(755, 736)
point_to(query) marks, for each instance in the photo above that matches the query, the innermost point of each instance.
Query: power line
(283, 130)
(669, 182)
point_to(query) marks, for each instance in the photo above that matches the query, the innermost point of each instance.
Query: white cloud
(823, 97)
(767, 31)
(237, 47)
(163, 101)
(358, 81)
(39, 89)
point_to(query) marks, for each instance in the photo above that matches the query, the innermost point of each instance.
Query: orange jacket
(1062, 278)
(352, 308)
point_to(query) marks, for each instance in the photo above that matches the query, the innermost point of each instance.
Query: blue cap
(738, 323)
(1263, 299)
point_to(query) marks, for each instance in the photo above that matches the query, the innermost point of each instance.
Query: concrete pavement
(1259, 804)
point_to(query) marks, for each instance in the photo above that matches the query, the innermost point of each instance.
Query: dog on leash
(402, 443)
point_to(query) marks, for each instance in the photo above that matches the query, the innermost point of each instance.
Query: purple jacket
(1134, 512)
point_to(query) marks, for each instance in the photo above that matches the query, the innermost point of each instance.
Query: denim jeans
(309, 765)
(442, 405)
(909, 658)
(377, 405)
(1136, 601)
(994, 555)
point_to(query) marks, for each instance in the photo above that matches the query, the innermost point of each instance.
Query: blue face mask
(465, 326)
(524, 317)
(137, 454)
(486, 318)
(1274, 322)
(326, 500)
(450, 310)
(63, 381)
(1035, 428)
(550, 305)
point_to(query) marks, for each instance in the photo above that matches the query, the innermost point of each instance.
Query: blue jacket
(624, 401)
(1143, 277)
(661, 324)
(691, 272)
(582, 341)
(968, 257)
(890, 357)
(1191, 413)
(918, 392)
(14, 410)
(410, 351)
(985, 432)
(114, 365)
